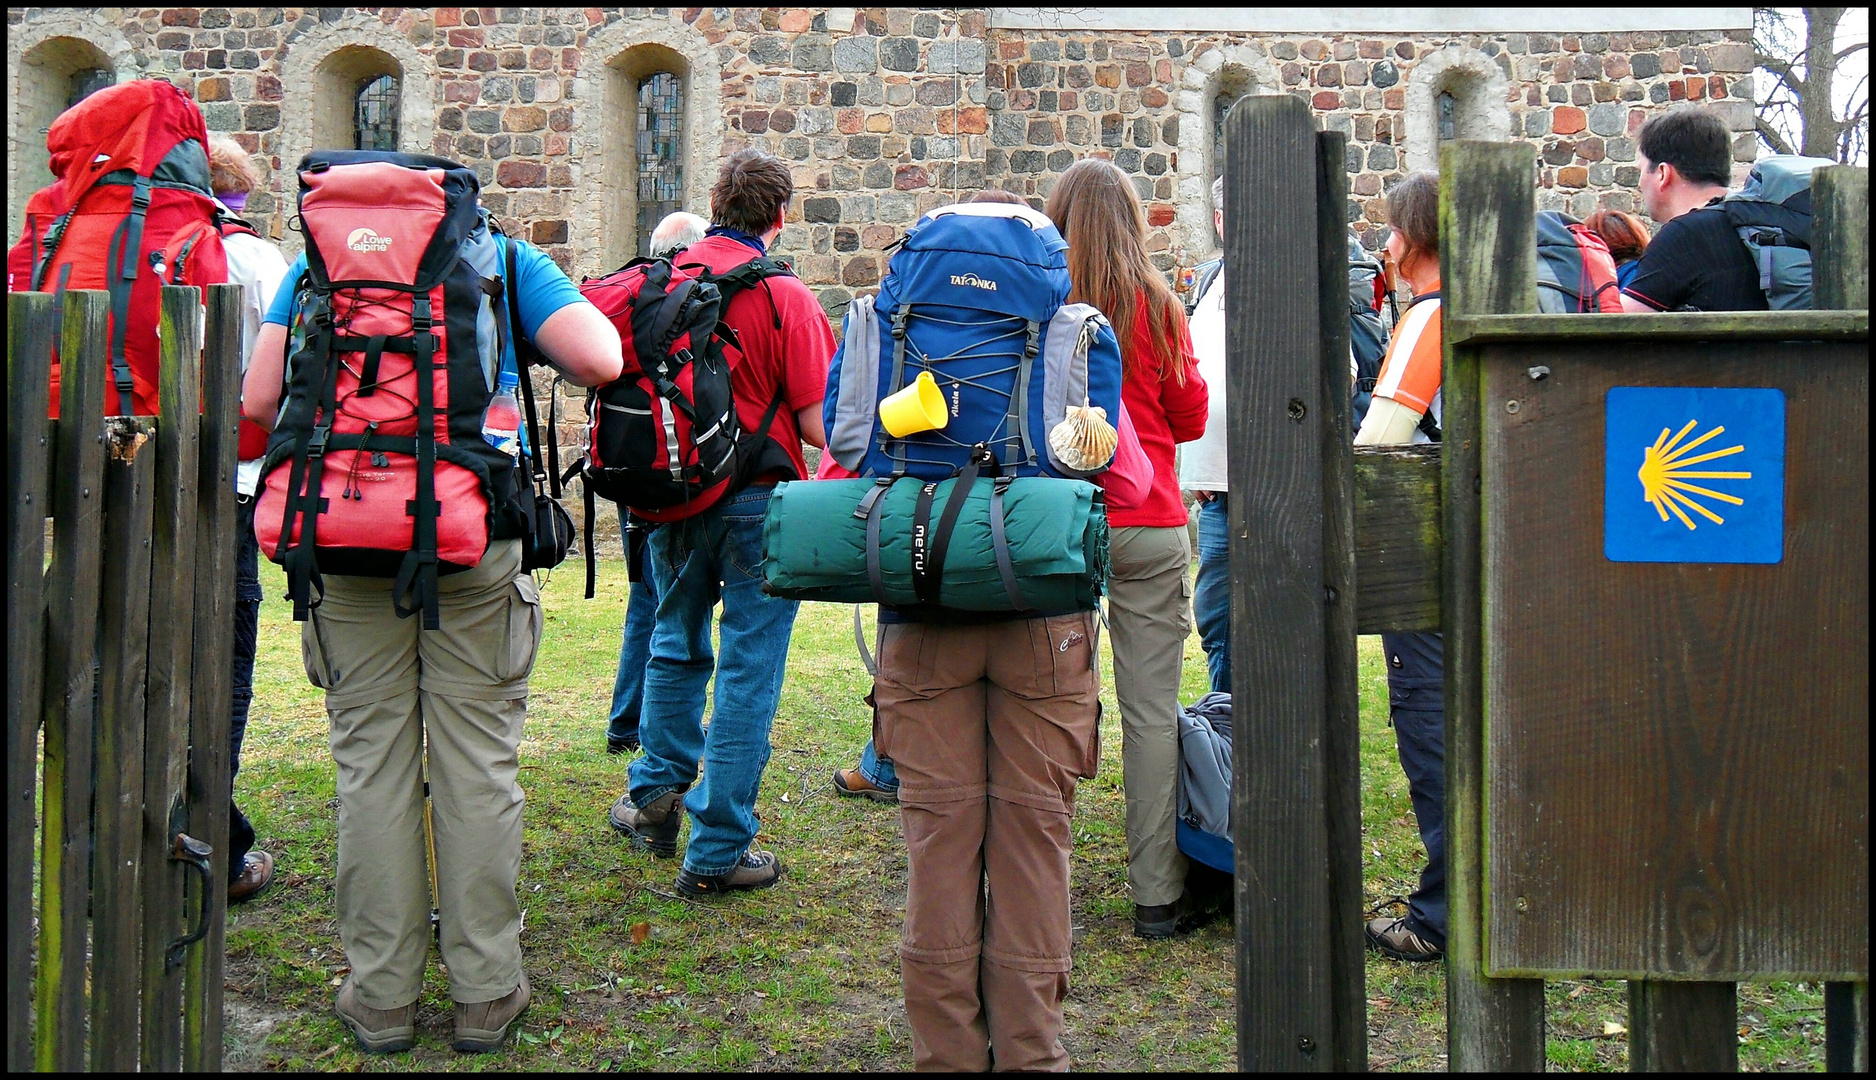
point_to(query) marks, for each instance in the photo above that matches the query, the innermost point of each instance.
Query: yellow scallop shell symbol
(1666, 470)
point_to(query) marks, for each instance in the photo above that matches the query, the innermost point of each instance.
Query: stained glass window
(1447, 116)
(375, 121)
(1221, 107)
(87, 82)
(660, 152)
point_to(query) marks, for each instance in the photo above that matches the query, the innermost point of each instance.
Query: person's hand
(1204, 496)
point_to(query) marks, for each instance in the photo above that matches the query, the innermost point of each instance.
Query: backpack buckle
(316, 447)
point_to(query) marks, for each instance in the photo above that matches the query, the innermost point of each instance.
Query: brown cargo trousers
(989, 728)
(462, 689)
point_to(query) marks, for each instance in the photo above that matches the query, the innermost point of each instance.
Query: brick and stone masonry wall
(884, 113)
(887, 112)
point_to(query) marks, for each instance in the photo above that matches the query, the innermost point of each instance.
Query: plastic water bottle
(501, 424)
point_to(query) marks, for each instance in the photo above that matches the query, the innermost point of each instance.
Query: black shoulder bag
(550, 529)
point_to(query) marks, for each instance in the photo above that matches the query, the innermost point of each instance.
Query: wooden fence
(1328, 542)
(118, 689)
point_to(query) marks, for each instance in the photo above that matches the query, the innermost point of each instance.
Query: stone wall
(887, 112)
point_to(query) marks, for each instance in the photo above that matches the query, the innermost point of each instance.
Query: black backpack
(1367, 334)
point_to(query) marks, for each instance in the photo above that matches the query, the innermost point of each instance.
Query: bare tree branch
(1773, 138)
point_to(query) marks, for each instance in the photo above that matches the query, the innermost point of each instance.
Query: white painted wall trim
(1379, 19)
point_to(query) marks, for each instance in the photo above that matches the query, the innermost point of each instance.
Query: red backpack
(664, 438)
(377, 466)
(130, 210)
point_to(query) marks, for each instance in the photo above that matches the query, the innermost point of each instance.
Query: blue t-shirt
(540, 290)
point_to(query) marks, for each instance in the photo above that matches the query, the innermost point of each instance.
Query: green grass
(804, 975)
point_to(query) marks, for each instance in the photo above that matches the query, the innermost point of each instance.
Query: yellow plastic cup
(918, 407)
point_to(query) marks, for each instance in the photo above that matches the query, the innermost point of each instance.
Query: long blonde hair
(1099, 214)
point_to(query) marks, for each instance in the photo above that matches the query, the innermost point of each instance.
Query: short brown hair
(752, 190)
(1413, 211)
(998, 195)
(1626, 234)
(230, 169)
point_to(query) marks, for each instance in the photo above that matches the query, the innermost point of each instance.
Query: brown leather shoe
(482, 1025)
(378, 1031)
(257, 873)
(655, 826)
(853, 783)
(1391, 938)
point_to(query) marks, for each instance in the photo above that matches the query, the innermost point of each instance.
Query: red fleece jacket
(1164, 412)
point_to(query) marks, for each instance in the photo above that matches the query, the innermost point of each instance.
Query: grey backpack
(1205, 764)
(1772, 215)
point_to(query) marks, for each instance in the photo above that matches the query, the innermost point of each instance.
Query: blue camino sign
(1694, 474)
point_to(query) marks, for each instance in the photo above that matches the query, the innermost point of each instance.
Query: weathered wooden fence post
(212, 677)
(172, 609)
(1840, 265)
(117, 815)
(72, 592)
(31, 332)
(1488, 266)
(1296, 801)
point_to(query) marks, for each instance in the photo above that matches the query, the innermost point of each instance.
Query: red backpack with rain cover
(130, 210)
(377, 466)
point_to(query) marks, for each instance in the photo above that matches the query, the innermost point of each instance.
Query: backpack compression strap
(416, 577)
(124, 253)
(301, 560)
(929, 544)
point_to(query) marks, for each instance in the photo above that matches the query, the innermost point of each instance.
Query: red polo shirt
(786, 346)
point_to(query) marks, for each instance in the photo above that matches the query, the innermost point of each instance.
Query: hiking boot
(378, 1031)
(854, 784)
(755, 870)
(621, 746)
(1391, 938)
(257, 873)
(654, 826)
(1182, 916)
(481, 1027)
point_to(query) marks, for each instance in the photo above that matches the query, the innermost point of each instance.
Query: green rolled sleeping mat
(1054, 533)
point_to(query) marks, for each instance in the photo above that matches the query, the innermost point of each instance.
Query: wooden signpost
(1645, 539)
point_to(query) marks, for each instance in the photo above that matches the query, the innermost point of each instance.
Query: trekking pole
(429, 841)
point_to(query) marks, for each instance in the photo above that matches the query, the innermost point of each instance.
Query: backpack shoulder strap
(747, 276)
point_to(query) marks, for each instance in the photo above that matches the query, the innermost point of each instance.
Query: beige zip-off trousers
(391, 688)
(1149, 611)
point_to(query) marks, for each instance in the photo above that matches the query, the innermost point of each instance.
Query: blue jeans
(878, 770)
(1417, 706)
(641, 612)
(1211, 592)
(715, 555)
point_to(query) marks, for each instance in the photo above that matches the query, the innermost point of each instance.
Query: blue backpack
(977, 297)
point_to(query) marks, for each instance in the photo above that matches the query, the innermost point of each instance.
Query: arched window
(53, 75)
(375, 122)
(649, 124)
(1454, 93)
(1233, 83)
(659, 151)
(358, 102)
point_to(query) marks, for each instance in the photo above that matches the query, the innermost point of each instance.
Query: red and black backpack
(377, 465)
(130, 210)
